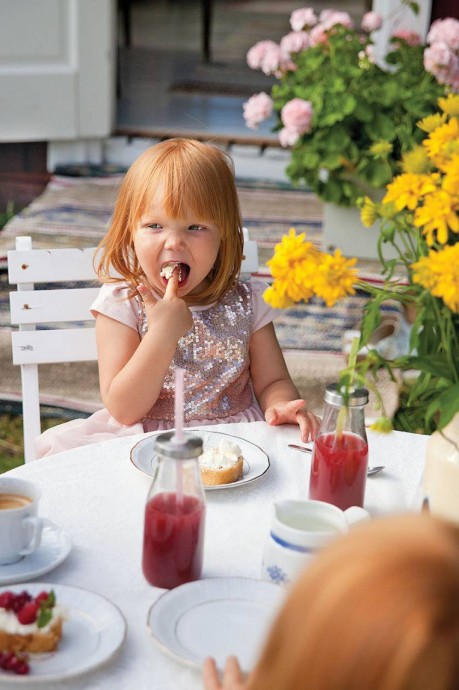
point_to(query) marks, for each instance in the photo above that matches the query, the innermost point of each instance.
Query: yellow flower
(406, 190)
(436, 215)
(275, 296)
(415, 161)
(450, 104)
(381, 149)
(431, 122)
(443, 143)
(439, 273)
(335, 278)
(451, 179)
(368, 212)
(293, 268)
(382, 424)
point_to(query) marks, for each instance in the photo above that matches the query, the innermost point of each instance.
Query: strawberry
(28, 613)
(6, 600)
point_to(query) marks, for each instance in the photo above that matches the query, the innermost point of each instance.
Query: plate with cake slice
(227, 461)
(51, 632)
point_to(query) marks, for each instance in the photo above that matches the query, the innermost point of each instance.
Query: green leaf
(447, 404)
(44, 616)
(435, 364)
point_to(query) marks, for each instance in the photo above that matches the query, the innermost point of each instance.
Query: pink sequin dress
(214, 355)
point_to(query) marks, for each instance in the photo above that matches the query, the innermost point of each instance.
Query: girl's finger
(233, 673)
(210, 675)
(145, 293)
(172, 284)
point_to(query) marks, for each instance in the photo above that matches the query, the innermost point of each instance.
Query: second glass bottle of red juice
(340, 455)
(173, 539)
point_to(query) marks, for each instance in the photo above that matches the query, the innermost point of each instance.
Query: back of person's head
(376, 610)
(192, 177)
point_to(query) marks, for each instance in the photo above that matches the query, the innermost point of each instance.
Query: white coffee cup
(298, 530)
(20, 527)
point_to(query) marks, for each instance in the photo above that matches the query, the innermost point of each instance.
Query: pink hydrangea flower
(331, 17)
(287, 137)
(371, 21)
(296, 115)
(258, 108)
(264, 55)
(445, 31)
(305, 16)
(294, 42)
(411, 37)
(440, 61)
(318, 34)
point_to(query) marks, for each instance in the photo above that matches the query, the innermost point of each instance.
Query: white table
(97, 495)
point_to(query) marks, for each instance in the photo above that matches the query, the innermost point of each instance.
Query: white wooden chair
(66, 308)
(67, 341)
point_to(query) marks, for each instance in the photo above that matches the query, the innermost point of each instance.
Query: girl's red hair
(194, 177)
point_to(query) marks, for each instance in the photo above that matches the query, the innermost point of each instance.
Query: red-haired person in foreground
(173, 298)
(377, 610)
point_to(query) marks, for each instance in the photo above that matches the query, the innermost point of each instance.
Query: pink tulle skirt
(101, 426)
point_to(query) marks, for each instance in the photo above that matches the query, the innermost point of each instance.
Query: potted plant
(347, 119)
(419, 216)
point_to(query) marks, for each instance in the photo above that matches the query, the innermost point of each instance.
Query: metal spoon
(370, 470)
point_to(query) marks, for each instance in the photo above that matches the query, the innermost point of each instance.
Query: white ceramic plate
(93, 632)
(54, 548)
(256, 462)
(216, 617)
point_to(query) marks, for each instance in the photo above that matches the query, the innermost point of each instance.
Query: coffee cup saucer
(54, 548)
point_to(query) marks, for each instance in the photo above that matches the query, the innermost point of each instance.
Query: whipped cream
(10, 624)
(220, 457)
(167, 271)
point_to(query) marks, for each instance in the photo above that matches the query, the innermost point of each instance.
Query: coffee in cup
(12, 501)
(20, 527)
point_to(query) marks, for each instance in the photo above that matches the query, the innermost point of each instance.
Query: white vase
(441, 474)
(343, 229)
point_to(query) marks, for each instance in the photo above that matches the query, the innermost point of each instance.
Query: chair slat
(51, 306)
(48, 347)
(50, 265)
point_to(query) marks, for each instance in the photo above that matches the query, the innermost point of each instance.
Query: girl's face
(162, 241)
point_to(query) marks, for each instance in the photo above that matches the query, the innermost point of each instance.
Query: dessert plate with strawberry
(51, 632)
(54, 548)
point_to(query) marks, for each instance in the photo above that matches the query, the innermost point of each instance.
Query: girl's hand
(172, 309)
(294, 412)
(232, 676)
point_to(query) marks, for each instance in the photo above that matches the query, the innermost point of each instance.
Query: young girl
(172, 298)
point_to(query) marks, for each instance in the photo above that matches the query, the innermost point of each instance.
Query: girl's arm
(274, 389)
(132, 371)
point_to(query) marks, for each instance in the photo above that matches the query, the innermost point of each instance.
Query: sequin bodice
(215, 357)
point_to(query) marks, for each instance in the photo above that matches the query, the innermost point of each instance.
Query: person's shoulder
(115, 300)
(114, 291)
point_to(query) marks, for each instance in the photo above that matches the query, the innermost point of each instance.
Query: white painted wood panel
(52, 306)
(50, 265)
(57, 69)
(49, 347)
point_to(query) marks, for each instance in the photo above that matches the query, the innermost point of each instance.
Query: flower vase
(441, 474)
(343, 229)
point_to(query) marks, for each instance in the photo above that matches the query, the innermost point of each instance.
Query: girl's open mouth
(168, 269)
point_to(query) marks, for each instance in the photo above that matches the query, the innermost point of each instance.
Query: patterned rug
(75, 211)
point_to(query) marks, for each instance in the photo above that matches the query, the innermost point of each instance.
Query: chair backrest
(55, 324)
(72, 335)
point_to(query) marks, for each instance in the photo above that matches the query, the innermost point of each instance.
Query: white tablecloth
(97, 495)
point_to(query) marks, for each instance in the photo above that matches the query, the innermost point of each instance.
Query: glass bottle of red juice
(340, 455)
(173, 538)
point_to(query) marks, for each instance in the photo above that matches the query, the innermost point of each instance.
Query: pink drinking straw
(178, 437)
(178, 407)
